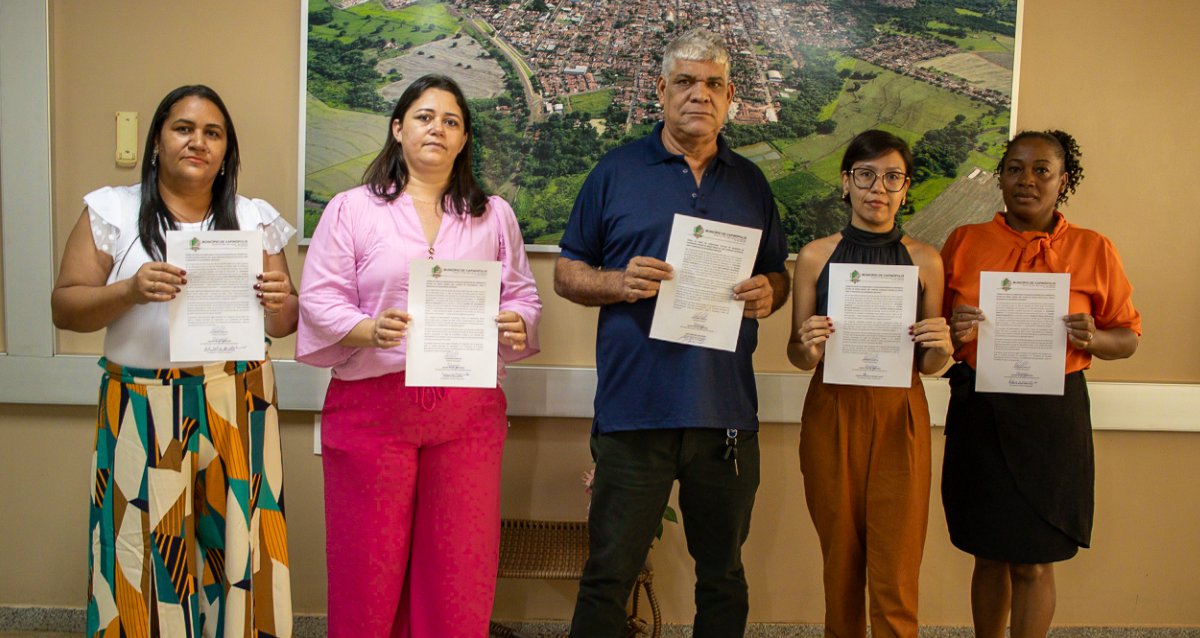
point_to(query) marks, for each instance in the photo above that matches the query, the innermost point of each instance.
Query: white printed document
(216, 317)
(1022, 341)
(697, 307)
(453, 339)
(872, 308)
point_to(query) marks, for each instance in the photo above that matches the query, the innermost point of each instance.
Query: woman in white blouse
(187, 533)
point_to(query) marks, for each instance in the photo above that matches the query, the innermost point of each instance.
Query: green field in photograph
(977, 40)
(905, 103)
(842, 63)
(371, 19)
(899, 104)
(755, 152)
(346, 124)
(769, 158)
(980, 160)
(594, 102)
(925, 192)
(984, 41)
(976, 69)
(339, 146)
(339, 177)
(553, 204)
(775, 169)
(335, 135)
(800, 186)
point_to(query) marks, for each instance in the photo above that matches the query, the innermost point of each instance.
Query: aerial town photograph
(554, 84)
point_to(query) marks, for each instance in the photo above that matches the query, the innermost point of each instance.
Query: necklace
(180, 219)
(437, 219)
(437, 204)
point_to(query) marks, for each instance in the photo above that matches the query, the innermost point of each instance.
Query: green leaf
(669, 514)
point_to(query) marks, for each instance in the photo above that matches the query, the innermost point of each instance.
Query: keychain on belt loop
(731, 452)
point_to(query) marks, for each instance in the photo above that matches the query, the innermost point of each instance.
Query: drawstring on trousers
(428, 397)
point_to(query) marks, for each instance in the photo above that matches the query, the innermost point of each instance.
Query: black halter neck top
(862, 247)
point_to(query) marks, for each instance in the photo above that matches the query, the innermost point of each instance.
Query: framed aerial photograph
(554, 84)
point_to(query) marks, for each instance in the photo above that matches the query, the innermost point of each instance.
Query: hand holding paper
(705, 303)
(1081, 329)
(453, 336)
(964, 324)
(933, 334)
(642, 277)
(156, 281)
(1023, 347)
(274, 287)
(217, 317)
(512, 330)
(390, 328)
(874, 308)
(815, 332)
(758, 295)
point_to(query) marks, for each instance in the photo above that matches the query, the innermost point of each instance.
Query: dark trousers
(634, 474)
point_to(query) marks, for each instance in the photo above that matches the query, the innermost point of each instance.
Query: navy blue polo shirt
(625, 209)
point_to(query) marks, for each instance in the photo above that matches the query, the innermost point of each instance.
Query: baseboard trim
(73, 620)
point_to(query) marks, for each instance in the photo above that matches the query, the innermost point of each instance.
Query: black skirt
(1018, 479)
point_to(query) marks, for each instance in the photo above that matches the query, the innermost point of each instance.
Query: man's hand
(759, 295)
(642, 278)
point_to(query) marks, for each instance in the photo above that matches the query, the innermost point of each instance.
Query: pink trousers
(412, 507)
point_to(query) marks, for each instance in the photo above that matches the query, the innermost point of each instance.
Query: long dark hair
(153, 216)
(387, 175)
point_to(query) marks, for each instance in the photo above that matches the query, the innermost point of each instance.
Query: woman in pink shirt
(412, 474)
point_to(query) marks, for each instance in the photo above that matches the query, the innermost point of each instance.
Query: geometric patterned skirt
(186, 526)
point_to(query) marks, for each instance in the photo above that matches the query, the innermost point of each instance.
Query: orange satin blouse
(1098, 283)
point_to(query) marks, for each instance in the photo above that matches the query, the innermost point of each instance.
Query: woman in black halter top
(865, 451)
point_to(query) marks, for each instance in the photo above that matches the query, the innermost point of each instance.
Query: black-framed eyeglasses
(893, 181)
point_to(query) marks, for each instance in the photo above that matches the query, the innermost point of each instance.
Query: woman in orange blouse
(1017, 479)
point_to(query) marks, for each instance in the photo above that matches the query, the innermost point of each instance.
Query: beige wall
(3, 336)
(1116, 74)
(125, 55)
(1140, 572)
(1109, 71)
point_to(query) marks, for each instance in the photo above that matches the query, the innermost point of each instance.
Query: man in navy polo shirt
(666, 411)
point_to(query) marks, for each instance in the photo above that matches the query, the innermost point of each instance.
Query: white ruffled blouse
(139, 338)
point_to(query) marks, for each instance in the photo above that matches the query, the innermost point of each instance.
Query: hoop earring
(154, 159)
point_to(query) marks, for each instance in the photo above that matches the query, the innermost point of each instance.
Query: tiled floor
(792, 632)
(555, 629)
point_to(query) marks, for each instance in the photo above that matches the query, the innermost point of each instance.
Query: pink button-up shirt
(357, 266)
